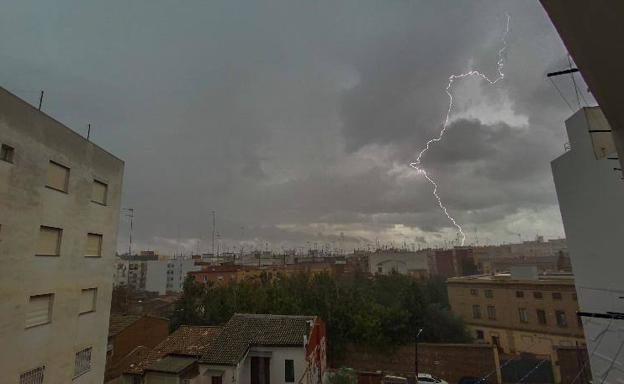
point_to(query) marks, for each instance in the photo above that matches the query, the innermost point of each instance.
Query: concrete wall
(25, 205)
(591, 200)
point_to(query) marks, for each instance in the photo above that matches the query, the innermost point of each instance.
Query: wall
(278, 355)
(25, 204)
(147, 331)
(573, 364)
(591, 200)
(450, 362)
(403, 262)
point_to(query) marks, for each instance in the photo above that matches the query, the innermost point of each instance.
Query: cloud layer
(296, 121)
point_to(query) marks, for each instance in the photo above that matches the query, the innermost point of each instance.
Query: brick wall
(450, 362)
(573, 365)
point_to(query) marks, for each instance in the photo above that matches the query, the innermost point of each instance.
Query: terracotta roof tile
(245, 330)
(189, 340)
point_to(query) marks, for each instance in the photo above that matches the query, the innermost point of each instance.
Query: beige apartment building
(59, 210)
(519, 311)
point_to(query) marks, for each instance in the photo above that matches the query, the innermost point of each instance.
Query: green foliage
(381, 313)
(342, 376)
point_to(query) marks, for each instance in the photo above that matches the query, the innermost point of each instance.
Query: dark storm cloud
(296, 121)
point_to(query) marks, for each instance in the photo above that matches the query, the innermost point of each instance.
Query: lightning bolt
(417, 164)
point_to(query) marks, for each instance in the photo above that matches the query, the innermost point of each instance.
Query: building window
(34, 376)
(289, 371)
(519, 294)
(379, 269)
(88, 299)
(476, 311)
(216, 380)
(260, 370)
(94, 245)
(491, 311)
(49, 242)
(480, 335)
(541, 316)
(523, 314)
(99, 192)
(489, 294)
(474, 292)
(39, 310)
(574, 297)
(556, 295)
(82, 363)
(579, 321)
(537, 295)
(561, 319)
(7, 153)
(58, 176)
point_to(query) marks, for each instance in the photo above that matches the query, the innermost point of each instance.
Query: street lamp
(416, 355)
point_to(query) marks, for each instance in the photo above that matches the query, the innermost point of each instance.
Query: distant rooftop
(556, 278)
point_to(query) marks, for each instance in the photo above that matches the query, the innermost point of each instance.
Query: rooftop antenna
(40, 99)
(214, 226)
(129, 212)
(88, 131)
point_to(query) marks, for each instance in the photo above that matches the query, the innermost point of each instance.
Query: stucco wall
(25, 205)
(591, 200)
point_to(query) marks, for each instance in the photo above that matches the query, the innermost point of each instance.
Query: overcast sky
(296, 121)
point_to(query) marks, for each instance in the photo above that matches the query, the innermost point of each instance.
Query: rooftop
(243, 331)
(120, 322)
(172, 364)
(551, 278)
(188, 340)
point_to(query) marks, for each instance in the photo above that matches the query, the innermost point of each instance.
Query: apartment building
(519, 311)
(164, 276)
(59, 210)
(590, 191)
(389, 261)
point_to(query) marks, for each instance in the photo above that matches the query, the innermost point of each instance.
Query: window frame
(99, 181)
(93, 305)
(50, 310)
(479, 334)
(58, 242)
(476, 311)
(491, 312)
(89, 366)
(24, 379)
(539, 318)
(488, 293)
(7, 153)
(538, 295)
(474, 292)
(289, 370)
(520, 294)
(523, 315)
(66, 190)
(557, 296)
(101, 240)
(561, 315)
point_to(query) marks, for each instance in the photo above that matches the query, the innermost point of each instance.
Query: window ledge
(98, 203)
(81, 373)
(56, 189)
(37, 325)
(86, 313)
(41, 255)
(93, 256)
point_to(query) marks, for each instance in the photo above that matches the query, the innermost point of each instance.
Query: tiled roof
(245, 330)
(172, 364)
(190, 340)
(119, 322)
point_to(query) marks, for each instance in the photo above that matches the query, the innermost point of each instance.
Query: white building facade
(164, 276)
(590, 190)
(59, 211)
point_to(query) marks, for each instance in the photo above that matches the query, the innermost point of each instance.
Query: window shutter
(58, 176)
(49, 241)
(94, 245)
(39, 310)
(87, 300)
(99, 192)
